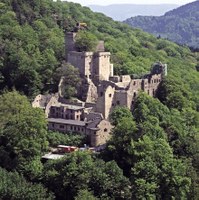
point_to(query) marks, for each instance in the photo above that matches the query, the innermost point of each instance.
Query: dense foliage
(70, 80)
(179, 25)
(152, 154)
(23, 131)
(157, 150)
(32, 38)
(85, 41)
(14, 186)
(82, 171)
(56, 138)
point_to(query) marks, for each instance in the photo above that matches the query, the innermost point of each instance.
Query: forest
(179, 25)
(153, 152)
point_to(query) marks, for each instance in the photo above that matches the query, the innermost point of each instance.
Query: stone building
(100, 92)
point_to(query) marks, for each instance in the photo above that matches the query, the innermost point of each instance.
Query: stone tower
(69, 43)
(92, 65)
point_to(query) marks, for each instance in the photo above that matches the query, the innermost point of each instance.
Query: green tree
(22, 134)
(119, 113)
(118, 146)
(14, 186)
(70, 80)
(81, 171)
(56, 138)
(144, 154)
(85, 41)
(157, 172)
(85, 195)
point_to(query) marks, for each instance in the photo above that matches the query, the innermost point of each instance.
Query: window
(110, 95)
(101, 94)
(148, 91)
(61, 126)
(134, 94)
(105, 130)
(118, 102)
(53, 110)
(134, 83)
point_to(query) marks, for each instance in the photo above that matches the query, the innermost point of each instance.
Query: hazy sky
(108, 2)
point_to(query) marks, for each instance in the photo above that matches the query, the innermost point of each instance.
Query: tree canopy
(85, 41)
(153, 154)
(22, 134)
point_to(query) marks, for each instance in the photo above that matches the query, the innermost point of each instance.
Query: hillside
(153, 152)
(32, 38)
(179, 25)
(121, 12)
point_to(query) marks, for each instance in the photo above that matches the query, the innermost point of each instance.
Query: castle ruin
(100, 92)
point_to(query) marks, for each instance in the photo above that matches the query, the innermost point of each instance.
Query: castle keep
(100, 92)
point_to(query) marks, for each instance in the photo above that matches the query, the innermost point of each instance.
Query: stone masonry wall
(69, 43)
(102, 135)
(102, 65)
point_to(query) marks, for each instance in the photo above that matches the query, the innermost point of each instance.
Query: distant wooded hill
(121, 12)
(180, 25)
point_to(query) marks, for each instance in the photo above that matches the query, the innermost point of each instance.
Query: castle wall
(120, 98)
(102, 66)
(111, 70)
(151, 84)
(98, 135)
(83, 61)
(105, 100)
(69, 43)
(64, 112)
(102, 135)
(66, 126)
(125, 78)
(91, 94)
